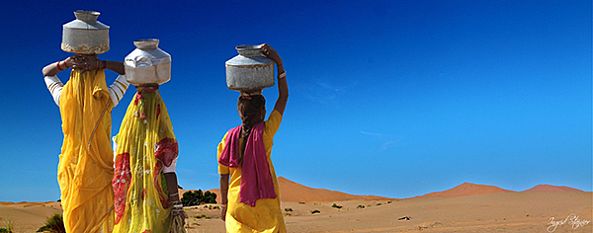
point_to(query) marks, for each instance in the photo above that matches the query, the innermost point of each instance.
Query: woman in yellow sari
(85, 168)
(145, 184)
(248, 183)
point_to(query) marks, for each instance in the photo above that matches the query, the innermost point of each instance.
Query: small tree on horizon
(209, 197)
(192, 198)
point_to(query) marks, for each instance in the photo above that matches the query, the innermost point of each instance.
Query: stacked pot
(148, 64)
(85, 35)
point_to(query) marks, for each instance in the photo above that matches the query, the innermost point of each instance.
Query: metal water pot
(85, 35)
(250, 70)
(147, 63)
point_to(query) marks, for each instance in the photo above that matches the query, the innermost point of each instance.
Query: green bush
(54, 224)
(209, 197)
(192, 198)
(7, 228)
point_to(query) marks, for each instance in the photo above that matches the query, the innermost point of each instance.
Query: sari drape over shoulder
(256, 180)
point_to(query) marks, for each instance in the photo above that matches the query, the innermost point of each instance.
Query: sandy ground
(527, 212)
(500, 212)
(27, 217)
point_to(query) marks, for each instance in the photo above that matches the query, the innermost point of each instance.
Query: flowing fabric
(256, 180)
(86, 161)
(266, 215)
(144, 145)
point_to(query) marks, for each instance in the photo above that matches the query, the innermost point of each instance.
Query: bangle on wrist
(282, 75)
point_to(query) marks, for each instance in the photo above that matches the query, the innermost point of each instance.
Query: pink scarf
(256, 178)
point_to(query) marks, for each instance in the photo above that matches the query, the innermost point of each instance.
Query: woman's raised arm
(282, 84)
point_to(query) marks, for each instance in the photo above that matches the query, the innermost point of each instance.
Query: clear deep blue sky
(394, 98)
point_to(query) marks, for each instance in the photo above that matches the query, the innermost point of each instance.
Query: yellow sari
(266, 215)
(144, 145)
(86, 160)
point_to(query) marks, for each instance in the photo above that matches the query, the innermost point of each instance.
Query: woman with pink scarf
(248, 184)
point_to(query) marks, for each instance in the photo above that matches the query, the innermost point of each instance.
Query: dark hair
(251, 108)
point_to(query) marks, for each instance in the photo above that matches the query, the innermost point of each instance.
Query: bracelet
(282, 75)
(173, 194)
(178, 206)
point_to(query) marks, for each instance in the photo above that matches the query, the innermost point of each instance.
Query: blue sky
(394, 98)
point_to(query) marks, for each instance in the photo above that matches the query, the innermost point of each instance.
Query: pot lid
(86, 20)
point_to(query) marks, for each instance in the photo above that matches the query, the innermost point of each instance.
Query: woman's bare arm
(282, 84)
(224, 189)
(83, 62)
(171, 179)
(172, 186)
(282, 94)
(115, 66)
(55, 67)
(93, 63)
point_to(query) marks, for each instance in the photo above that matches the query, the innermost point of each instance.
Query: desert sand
(465, 208)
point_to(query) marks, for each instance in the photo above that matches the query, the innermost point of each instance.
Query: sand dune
(27, 216)
(467, 189)
(551, 188)
(295, 192)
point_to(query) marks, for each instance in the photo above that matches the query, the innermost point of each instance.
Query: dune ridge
(470, 189)
(552, 188)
